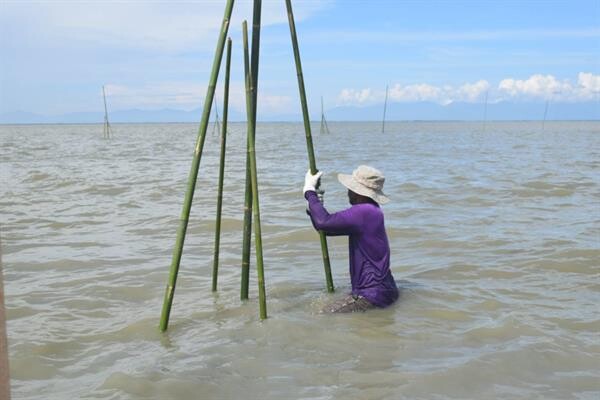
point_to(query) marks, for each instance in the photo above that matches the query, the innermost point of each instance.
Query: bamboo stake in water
(384, 110)
(221, 168)
(217, 125)
(324, 127)
(485, 111)
(189, 195)
(247, 231)
(106, 130)
(250, 95)
(309, 143)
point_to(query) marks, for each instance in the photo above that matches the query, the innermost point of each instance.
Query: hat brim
(356, 187)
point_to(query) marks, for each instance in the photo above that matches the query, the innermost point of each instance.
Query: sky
(56, 55)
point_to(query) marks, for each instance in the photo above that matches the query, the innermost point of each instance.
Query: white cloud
(472, 92)
(588, 85)
(536, 87)
(157, 25)
(469, 92)
(549, 87)
(353, 96)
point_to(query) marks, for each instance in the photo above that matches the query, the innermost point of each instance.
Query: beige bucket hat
(366, 181)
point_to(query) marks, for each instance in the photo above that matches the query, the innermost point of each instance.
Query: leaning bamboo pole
(309, 142)
(251, 110)
(189, 195)
(247, 230)
(221, 168)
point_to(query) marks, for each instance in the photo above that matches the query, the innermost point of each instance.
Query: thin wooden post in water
(309, 143)
(221, 168)
(545, 113)
(324, 127)
(217, 125)
(251, 110)
(485, 111)
(384, 110)
(189, 195)
(106, 128)
(247, 230)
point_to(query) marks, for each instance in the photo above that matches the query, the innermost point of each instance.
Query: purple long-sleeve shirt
(370, 273)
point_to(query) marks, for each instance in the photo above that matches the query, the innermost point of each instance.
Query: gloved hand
(311, 181)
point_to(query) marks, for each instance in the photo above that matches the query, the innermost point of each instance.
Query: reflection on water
(495, 243)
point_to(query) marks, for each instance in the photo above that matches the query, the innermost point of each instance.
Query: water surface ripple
(495, 239)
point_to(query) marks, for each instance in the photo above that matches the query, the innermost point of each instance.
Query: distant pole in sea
(221, 168)
(545, 113)
(193, 175)
(485, 110)
(324, 127)
(309, 143)
(384, 109)
(106, 128)
(216, 126)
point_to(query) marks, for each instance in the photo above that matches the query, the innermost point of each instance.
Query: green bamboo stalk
(189, 195)
(250, 95)
(221, 168)
(309, 142)
(247, 238)
(247, 231)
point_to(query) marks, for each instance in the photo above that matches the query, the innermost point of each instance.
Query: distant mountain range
(504, 111)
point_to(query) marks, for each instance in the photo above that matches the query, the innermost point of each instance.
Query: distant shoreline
(312, 122)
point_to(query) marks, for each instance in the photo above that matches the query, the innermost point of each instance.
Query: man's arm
(345, 222)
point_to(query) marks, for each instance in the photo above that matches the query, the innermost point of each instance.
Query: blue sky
(56, 55)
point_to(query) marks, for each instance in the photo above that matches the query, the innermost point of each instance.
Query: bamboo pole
(309, 143)
(247, 230)
(384, 110)
(189, 195)
(221, 168)
(250, 95)
(106, 130)
(217, 125)
(324, 127)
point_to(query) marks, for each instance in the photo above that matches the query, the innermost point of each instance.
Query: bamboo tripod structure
(324, 127)
(106, 128)
(251, 204)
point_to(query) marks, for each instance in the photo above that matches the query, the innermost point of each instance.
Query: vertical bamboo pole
(250, 95)
(384, 110)
(221, 168)
(189, 195)
(106, 130)
(247, 231)
(309, 143)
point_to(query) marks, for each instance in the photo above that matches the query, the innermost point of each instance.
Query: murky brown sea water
(495, 241)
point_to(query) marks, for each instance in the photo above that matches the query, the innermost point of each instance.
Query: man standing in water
(372, 282)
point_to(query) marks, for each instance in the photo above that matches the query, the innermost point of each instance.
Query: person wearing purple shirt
(372, 282)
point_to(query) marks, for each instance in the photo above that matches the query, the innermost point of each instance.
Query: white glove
(311, 181)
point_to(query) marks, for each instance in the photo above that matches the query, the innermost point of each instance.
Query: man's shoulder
(367, 209)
